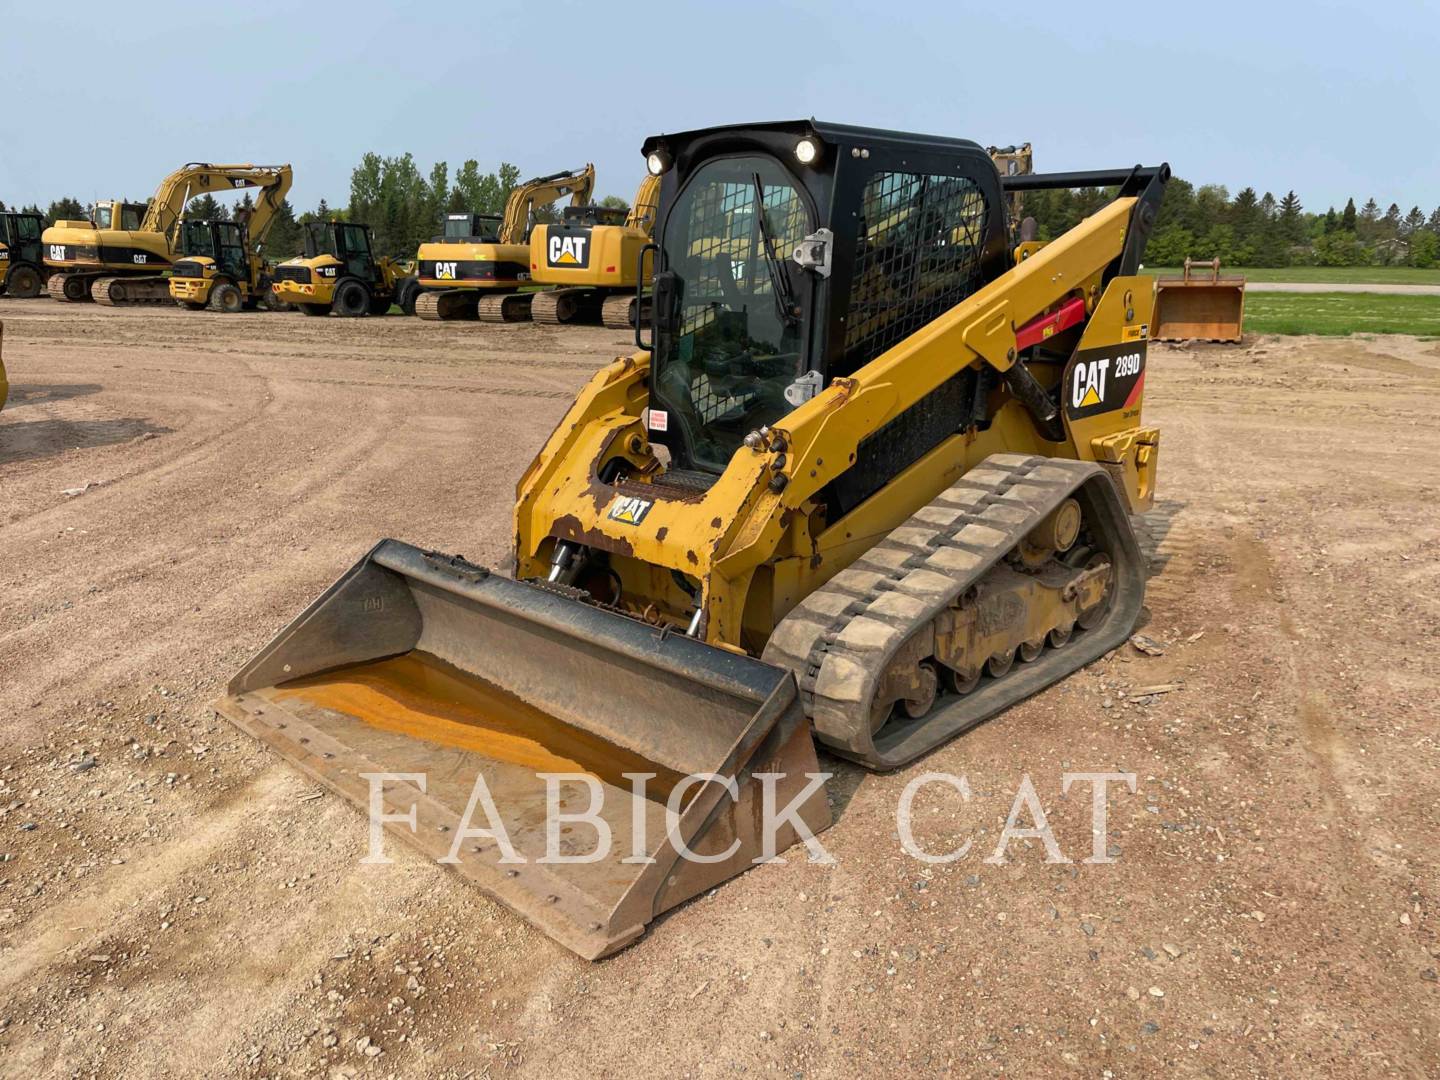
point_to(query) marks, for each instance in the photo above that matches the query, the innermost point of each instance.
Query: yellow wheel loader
(221, 266)
(120, 255)
(476, 268)
(592, 262)
(22, 265)
(868, 475)
(340, 273)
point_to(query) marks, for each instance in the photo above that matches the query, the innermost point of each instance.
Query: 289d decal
(1099, 380)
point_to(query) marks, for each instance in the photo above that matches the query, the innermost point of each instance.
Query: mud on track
(182, 906)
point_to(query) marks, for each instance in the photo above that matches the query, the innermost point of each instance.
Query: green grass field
(1341, 313)
(1324, 275)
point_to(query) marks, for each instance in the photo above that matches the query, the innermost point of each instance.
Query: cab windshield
(735, 342)
(196, 239)
(102, 217)
(319, 240)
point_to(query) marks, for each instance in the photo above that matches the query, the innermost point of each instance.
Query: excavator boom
(167, 205)
(543, 190)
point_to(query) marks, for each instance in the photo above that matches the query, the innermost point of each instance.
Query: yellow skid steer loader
(866, 480)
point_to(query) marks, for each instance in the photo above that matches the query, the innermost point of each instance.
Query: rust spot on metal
(571, 528)
(663, 532)
(715, 523)
(694, 559)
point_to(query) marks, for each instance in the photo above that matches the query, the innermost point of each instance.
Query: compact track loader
(592, 262)
(22, 264)
(120, 254)
(477, 273)
(339, 272)
(222, 267)
(869, 474)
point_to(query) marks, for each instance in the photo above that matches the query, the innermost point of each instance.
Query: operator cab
(593, 215)
(793, 253)
(221, 241)
(345, 241)
(118, 215)
(470, 229)
(20, 230)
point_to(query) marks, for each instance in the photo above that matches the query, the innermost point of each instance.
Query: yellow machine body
(870, 478)
(490, 258)
(227, 256)
(119, 255)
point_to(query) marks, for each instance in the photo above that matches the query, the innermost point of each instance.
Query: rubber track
(841, 638)
(100, 291)
(615, 312)
(505, 307)
(56, 288)
(545, 307)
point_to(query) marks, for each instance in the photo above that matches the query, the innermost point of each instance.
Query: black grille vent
(299, 274)
(882, 454)
(187, 269)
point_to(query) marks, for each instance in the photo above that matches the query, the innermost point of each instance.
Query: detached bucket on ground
(1200, 305)
(415, 662)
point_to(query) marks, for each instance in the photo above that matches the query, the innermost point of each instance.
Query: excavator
(591, 262)
(866, 481)
(22, 267)
(221, 265)
(339, 272)
(476, 268)
(120, 254)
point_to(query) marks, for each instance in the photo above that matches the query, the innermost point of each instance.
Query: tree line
(1205, 222)
(404, 205)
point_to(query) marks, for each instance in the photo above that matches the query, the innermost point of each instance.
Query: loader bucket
(1201, 305)
(421, 663)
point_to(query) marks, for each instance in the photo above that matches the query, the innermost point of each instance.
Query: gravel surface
(174, 487)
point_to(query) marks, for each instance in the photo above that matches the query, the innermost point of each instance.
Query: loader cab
(470, 229)
(794, 253)
(20, 233)
(345, 241)
(221, 241)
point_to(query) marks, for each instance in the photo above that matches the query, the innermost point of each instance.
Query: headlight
(658, 162)
(807, 151)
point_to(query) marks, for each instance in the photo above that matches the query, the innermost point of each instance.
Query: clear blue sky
(1332, 99)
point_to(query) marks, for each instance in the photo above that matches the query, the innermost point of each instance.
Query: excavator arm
(201, 178)
(543, 190)
(646, 205)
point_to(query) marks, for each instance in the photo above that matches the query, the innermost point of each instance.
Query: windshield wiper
(779, 282)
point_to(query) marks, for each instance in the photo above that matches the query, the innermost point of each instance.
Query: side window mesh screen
(918, 254)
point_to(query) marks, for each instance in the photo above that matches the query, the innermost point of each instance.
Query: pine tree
(1413, 223)
(206, 208)
(285, 239)
(66, 209)
(1391, 220)
(1433, 224)
(1292, 225)
(1332, 221)
(1347, 219)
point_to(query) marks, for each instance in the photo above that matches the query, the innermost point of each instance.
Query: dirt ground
(175, 901)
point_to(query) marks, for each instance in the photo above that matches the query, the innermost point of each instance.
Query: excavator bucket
(1200, 305)
(468, 684)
